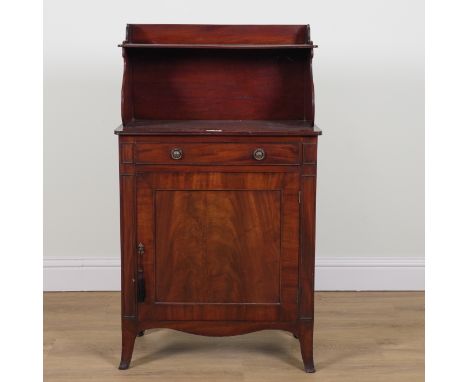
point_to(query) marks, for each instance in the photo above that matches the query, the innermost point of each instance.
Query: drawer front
(218, 153)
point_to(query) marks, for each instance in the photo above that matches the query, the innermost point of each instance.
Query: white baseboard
(369, 273)
(332, 273)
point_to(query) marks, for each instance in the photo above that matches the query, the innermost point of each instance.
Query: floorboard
(360, 336)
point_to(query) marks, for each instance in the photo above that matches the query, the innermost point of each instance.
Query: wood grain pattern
(221, 153)
(232, 179)
(218, 246)
(309, 152)
(126, 152)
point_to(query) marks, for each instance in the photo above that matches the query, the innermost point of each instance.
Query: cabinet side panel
(309, 93)
(290, 251)
(307, 266)
(126, 93)
(127, 228)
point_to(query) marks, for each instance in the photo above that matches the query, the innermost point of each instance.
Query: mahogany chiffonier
(218, 156)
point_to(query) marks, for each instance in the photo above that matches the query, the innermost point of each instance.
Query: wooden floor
(360, 336)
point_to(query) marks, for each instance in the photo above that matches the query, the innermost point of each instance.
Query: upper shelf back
(217, 34)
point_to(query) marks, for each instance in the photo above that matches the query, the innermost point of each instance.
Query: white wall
(369, 77)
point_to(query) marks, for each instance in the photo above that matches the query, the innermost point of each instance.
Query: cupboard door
(218, 246)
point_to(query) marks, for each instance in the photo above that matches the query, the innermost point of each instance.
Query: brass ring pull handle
(176, 153)
(259, 154)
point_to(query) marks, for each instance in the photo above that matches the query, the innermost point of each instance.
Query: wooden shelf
(220, 127)
(217, 46)
(217, 73)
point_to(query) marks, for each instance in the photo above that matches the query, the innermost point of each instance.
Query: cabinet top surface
(220, 127)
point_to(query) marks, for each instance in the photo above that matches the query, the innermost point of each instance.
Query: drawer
(218, 153)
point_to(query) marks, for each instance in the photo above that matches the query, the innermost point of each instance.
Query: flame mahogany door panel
(218, 245)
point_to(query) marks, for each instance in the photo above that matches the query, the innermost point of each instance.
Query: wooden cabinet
(217, 181)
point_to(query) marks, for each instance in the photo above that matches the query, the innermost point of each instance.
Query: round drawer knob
(259, 154)
(176, 153)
